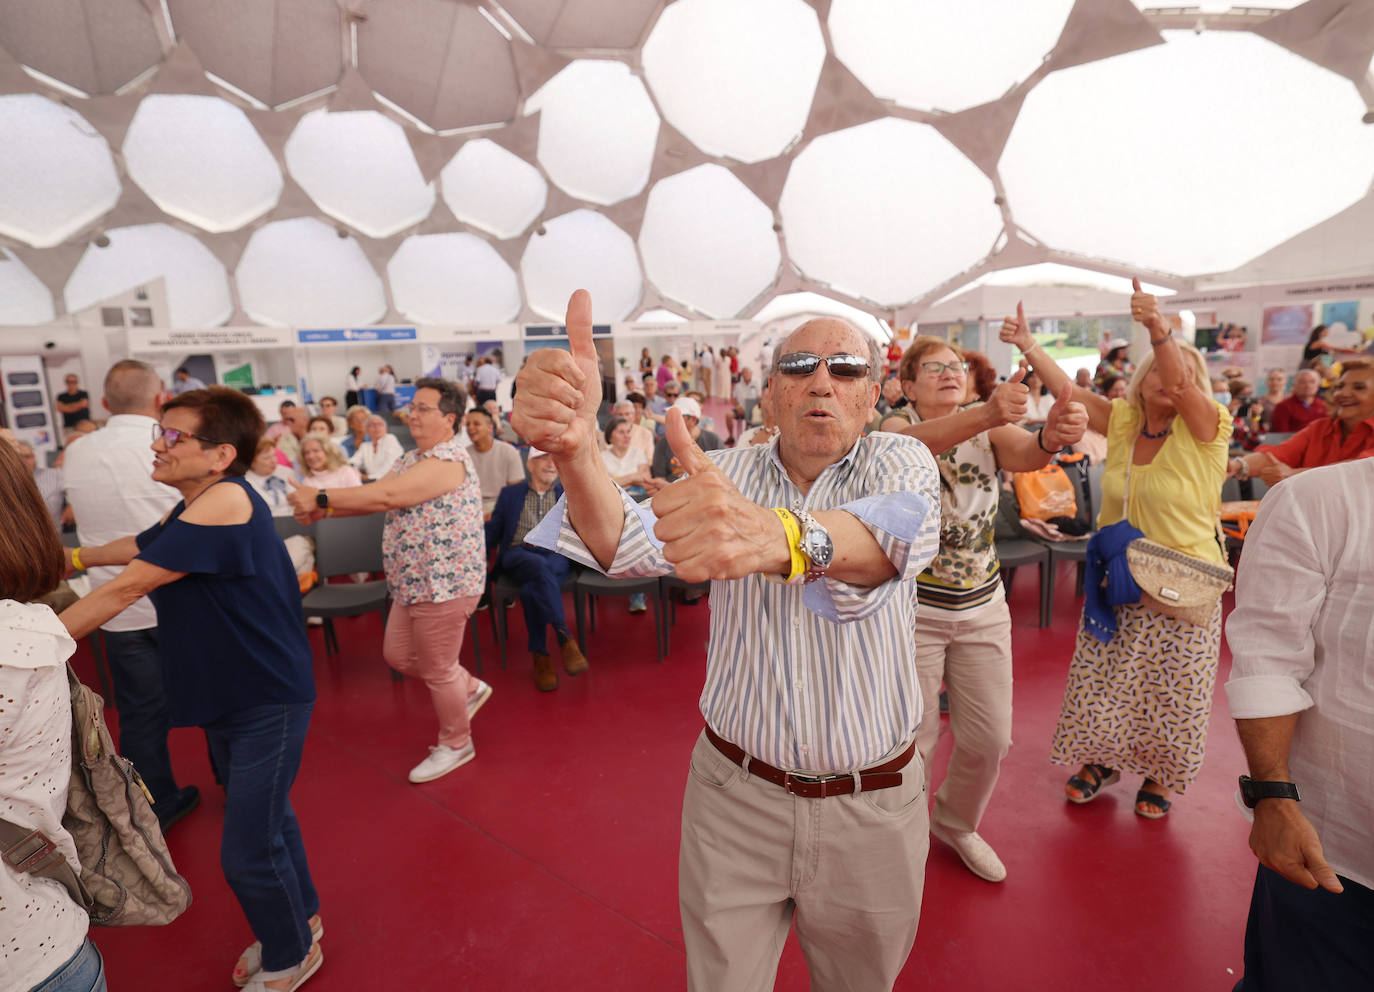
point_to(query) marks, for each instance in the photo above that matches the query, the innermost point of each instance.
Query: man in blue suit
(540, 573)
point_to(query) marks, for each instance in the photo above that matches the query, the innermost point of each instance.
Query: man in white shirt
(112, 494)
(746, 397)
(1302, 691)
(497, 463)
(329, 409)
(185, 382)
(485, 380)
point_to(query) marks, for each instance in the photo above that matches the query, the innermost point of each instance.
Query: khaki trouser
(850, 868)
(973, 657)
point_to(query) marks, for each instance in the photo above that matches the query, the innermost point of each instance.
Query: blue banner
(360, 335)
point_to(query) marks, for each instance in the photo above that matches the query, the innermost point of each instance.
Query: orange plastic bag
(1045, 494)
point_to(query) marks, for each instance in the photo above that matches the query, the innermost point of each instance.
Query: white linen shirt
(42, 926)
(112, 494)
(1301, 641)
(375, 464)
(819, 677)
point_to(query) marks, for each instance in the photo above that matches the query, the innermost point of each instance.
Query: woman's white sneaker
(442, 760)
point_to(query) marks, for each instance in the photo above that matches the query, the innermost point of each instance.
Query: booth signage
(356, 335)
(489, 332)
(210, 338)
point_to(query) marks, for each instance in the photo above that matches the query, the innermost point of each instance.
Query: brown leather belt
(883, 776)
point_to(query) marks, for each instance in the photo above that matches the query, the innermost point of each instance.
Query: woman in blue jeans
(235, 659)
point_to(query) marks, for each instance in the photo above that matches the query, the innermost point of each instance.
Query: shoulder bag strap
(28, 850)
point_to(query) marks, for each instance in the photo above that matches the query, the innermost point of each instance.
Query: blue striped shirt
(818, 677)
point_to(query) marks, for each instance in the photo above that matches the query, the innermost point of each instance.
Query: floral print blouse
(435, 551)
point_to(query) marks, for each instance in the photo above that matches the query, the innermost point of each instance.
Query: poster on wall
(1342, 322)
(1287, 325)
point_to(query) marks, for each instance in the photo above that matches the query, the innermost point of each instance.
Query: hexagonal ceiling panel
(95, 46)
(708, 242)
(736, 78)
(276, 51)
(1204, 152)
(55, 169)
(886, 210)
(300, 273)
(583, 24)
(597, 130)
(197, 284)
(199, 159)
(23, 297)
(452, 279)
(919, 54)
(488, 187)
(582, 250)
(358, 167)
(442, 62)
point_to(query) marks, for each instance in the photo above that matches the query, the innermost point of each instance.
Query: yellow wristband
(76, 560)
(793, 531)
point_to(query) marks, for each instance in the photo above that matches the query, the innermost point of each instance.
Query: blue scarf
(276, 487)
(1107, 581)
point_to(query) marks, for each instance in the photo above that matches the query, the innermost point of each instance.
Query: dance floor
(550, 861)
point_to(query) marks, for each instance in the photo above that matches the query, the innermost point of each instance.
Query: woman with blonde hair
(324, 464)
(1139, 691)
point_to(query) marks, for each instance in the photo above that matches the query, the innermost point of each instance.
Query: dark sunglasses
(803, 364)
(171, 437)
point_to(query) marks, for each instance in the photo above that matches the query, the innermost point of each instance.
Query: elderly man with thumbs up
(963, 630)
(802, 799)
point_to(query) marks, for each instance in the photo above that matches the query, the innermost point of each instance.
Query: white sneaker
(477, 697)
(977, 855)
(442, 760)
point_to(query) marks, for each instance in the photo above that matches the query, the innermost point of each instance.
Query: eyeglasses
(171, 437)
(417, 408)
(938, 368)
(803, 363)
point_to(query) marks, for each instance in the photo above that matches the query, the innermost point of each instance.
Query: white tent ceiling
(467, 161)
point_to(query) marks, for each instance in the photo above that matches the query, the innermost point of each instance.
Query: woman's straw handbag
(1175, 584)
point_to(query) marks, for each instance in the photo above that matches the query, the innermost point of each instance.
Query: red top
(1291, 415)
(1320, 444)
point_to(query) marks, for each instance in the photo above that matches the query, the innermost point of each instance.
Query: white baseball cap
(535, 453)
(689, 407)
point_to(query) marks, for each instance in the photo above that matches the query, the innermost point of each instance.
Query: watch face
(818, 547)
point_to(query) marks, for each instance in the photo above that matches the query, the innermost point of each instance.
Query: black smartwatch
(1252, 792)
(322, 500)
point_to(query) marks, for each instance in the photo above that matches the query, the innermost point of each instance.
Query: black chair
(1014, 550)
(288, 526)
(343, 546)
(671, 584)
(591, 584)
(503, 590)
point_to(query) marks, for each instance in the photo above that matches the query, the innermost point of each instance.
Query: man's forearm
(1266, 742)
(595, 509)
(859, 559)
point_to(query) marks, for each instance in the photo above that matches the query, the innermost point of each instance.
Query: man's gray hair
(876, 366)
(132, 386)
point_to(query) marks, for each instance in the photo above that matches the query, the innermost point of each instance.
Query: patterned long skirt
(1140, 702)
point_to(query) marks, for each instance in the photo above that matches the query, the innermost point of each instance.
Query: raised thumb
(579, 324)
(1135, 284)
(1065, 397)
(293, 483)
(1017, 376)
(1020, 313)
(689, 454)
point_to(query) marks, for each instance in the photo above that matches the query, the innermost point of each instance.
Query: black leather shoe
(175, 807)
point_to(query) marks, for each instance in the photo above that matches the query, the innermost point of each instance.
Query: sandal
(1101, 775)
(250, 961)
(297, 975)
(1157, 805)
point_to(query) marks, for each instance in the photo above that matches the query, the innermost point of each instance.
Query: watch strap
(1252, 792)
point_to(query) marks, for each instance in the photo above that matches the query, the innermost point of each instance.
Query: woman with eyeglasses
(212, 561)
(1139, 690)
(963, 627)
(435, 554)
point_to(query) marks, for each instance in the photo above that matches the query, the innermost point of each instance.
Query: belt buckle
(822, 780)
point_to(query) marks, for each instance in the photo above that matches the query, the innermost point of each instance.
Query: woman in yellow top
(1140, 702)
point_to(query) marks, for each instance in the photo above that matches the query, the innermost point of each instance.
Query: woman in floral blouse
(963, 629)
(435, 556)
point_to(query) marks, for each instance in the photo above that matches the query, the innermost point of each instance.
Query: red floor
(550, 861)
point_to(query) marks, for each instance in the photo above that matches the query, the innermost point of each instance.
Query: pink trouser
(423, 640)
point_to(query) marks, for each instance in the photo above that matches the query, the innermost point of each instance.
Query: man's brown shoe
(544, 675)
(573, 661)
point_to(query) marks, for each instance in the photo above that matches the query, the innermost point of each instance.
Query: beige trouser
(851, 869)
(973, 657)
